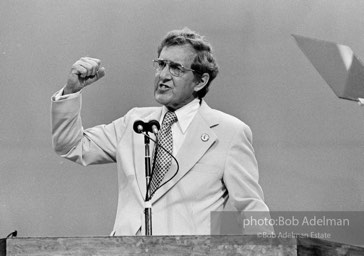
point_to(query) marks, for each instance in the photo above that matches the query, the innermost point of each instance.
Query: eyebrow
(173, 62)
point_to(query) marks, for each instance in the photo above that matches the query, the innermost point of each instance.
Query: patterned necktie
(163, 159)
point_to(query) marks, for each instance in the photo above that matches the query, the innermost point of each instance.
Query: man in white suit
(215, 159)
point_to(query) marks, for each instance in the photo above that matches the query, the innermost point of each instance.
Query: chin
(160, 99)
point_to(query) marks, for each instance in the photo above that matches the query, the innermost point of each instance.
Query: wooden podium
(173, 245)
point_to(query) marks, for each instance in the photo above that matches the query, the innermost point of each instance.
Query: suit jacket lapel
(199, 139)
(139, 153)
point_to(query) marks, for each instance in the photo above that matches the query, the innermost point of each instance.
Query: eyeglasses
(175, 69)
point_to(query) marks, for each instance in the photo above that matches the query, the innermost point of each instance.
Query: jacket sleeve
(84, 146)
(241, 178)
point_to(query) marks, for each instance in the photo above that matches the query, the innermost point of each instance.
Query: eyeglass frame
(169, 62)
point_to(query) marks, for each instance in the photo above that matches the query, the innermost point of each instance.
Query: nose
(164, 73)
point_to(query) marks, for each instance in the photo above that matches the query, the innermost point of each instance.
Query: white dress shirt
(184, 115)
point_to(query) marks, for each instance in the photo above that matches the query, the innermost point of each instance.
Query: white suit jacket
(216, 163)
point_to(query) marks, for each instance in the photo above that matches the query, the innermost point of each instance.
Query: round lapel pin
(205, 137)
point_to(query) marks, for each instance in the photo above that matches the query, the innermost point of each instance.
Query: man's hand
(85, 71)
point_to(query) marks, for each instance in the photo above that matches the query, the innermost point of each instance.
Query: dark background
(309, 144)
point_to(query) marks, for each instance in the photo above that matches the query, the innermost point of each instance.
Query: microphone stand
(142, 127)
(148, 204)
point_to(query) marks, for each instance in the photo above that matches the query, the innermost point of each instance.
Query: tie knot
(169, 118)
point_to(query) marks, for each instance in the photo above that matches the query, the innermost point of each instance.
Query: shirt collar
(184, 114)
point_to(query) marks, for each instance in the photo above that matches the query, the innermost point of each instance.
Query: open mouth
(163, 86)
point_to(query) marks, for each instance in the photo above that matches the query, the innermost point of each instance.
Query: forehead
(183, 54)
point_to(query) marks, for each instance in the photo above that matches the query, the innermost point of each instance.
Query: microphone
(139, 126)
(152, 126)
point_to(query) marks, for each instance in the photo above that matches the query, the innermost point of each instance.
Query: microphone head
(154, 126)
(138, 126)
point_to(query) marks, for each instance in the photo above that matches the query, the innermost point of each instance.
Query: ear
(205, 77)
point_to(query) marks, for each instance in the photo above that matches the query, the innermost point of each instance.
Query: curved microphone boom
(173, 157)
